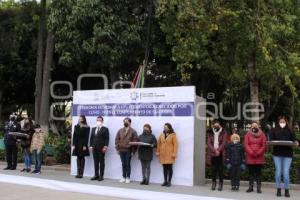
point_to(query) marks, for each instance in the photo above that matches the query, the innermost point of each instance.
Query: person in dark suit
(80, 144)
(99, 144)
(10, 142)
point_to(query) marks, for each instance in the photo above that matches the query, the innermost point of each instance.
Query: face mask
(254, 130)
(146, 131)
(126, 124)
(166, 131)
(216, 129)
(99, 123)
(282, 125)
(235, 141)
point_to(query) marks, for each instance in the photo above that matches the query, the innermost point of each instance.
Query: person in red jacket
(216, 142)
(255, 146)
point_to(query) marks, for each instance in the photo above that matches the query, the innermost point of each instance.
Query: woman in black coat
(80, 144)
(146, 152)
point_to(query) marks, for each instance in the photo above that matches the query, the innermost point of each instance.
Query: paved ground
(61, 175)
(20, 192)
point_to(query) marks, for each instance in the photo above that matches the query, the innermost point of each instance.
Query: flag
(138, 81)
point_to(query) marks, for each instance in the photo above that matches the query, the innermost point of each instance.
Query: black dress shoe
(95, 178)
(13, 168)
(100, 178)
(169, 184)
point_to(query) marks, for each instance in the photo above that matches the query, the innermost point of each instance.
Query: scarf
(216, 138)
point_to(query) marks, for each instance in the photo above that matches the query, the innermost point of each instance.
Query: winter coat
(26, 141)
(167, 148)
(210, 146)
(235, 154)
(80, 140)
(255, 147)
(146, 152)
(123, 137)
(38, 142)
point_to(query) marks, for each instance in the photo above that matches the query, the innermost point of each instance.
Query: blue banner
(177, 109)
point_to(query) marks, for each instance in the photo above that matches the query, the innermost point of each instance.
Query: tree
(246, 43)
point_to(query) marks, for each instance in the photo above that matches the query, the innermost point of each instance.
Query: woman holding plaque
(80, 144)
(255, 147)
(167, 151)
(146, 152)
(282, 153)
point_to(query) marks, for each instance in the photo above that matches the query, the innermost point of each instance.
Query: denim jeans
(126, 159)
(38, 160)
(27, 158)
(282, 166)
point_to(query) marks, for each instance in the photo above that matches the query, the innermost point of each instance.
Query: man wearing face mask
(124, 136)
(282, 155)
(216, 142)
(255, 147)
(99, 144)
(10, 142)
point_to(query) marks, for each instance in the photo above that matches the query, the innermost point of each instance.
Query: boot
(251, 182)
(78, 168)
(278, 192)
(143, 182)
(213, 186)
(82, 167)
(220, 188)
(286, 193)
(147, 181)
(258, 182)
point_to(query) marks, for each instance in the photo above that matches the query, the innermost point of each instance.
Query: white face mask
(235, 141)
(282, 125)
(99, 123)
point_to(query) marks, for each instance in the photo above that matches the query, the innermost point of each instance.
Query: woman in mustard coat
(167, 151)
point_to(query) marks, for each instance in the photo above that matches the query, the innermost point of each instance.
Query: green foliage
(61, 147)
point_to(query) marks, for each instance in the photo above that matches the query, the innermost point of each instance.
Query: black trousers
(146, 169)
(99, 159)
(217, 168)
(235, 173)
(255, 174)
(168, 172)
(11, 156)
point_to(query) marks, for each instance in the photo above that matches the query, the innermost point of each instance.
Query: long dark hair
(278, 129)
(169, 127)
(84, 119)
